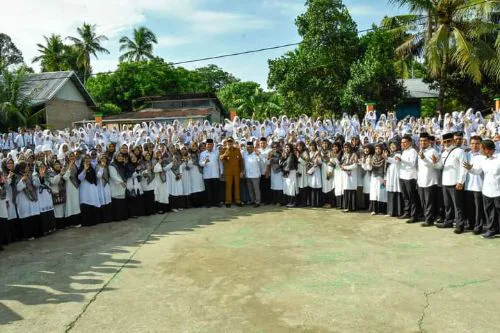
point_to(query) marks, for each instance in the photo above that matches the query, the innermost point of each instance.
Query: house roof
(184, 96)
(159, 114)
(42, 87)
(417, 88)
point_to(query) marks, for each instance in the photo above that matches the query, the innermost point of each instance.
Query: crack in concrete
(435, 292)
(71, 325)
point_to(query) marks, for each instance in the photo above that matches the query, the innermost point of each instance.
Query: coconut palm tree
(52, 54)
(450, 33)
(88, 44)
(141, 48)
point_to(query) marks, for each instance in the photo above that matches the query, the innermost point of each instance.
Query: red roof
(160, 113)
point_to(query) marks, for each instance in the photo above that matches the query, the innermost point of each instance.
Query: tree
(52, 56)
(214, 77)
(140, 48)
(250, 101)
(9, 53)
(453, 34)
(373, 76)
(15, 107)
(88, 44)
(312, 77)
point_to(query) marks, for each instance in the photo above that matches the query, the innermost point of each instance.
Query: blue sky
(186, 29)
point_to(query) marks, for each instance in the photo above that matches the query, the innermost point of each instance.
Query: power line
(419, 18)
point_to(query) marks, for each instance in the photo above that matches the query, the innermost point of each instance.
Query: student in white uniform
(103, 188)
(58, 188)
(89, 194)
(72, 207)
(378, 192)
(27, 201)
(118, 184)
(394, 197)
(327, 176)
(474, 208)
(45, 202)
(427, 179)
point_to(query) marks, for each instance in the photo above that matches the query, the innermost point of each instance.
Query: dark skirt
(162, 208)
(120, 211)
(329, 198)
(302, 197)
(177, 201)
(149, 202)
(14, 230)
(350, 200)
(278, 197)
(394, 204)
(378, 207)
(90, 215)
(48, 222)
(339, 201)
(60, 223)
(106, 213)
(31, 226)
(135, 206)
(73, 220)
(360, 202)
(4, 232)
(197, 199)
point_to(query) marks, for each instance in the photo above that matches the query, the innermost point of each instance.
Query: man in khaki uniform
(231, 157)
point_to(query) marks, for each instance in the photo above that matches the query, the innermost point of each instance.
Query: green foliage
(9, 53)
(457, 34)
(140, 48)
(373, 76)
(133, 80)
(250, 101)
(109, 109)
(428, 107)
(312, 77)
(15, 109)
(87, 44)
(215, 77)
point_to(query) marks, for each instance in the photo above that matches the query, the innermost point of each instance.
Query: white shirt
(427, 173)
(408, 165)
(490, 167)
(252, 165)
(210, 168)
(263, 159)
(453, 171)
(474, 182)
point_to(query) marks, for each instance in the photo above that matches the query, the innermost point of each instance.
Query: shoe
(1, 248)
(239, 204)
(290, 205)
(478, 231)
(444, 225)
(256, 205)
(373, 213)
(77, 226)
(228, 205)
(458, 231)
(403, 217)
(410, 221)
(427, 224)
(327, 206)
(489, 234)
(346, 210)
(175, 210)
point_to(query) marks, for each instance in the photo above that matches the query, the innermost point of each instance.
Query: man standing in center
(231, 157)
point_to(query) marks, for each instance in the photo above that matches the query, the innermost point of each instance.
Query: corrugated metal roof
(417, 88)
(42, 87)
(160, 114)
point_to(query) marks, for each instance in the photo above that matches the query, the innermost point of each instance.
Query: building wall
(61, 113)
(69, 92)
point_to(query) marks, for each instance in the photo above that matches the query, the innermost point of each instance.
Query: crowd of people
(416, 169)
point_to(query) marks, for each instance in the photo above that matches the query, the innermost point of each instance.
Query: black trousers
(212, 191)
(474, 209)
(453, 206)
(492, 212)
(410, 197)
(265, 190)
(428, 201)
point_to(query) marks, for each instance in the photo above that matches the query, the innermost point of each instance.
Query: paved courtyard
(254, 271)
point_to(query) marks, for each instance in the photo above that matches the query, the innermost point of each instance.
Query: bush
(109, 109)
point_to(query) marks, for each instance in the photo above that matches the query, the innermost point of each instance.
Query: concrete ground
(252, 270)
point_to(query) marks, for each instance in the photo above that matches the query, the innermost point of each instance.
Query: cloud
(286, 7)
(27, 21)
(362, 10)
(172, 41)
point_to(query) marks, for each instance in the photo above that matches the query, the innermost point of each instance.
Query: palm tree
(450, 33)
(15, 107)
(52, 57)
(259, 105)
(141, 48)
(88, 43)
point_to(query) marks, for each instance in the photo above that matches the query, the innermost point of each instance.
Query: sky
(186, 29)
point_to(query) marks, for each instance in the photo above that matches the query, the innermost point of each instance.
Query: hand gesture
(467, 165)
(434, 159)
(421, 155)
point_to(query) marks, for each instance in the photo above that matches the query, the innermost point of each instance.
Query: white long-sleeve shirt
(474, 182)
(408, 165)
(453, 171)
(490, 168)
(427, 174)
(252, 165)
(211, 168)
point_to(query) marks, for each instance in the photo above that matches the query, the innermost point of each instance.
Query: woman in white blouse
(118, 184)
(89, 194)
